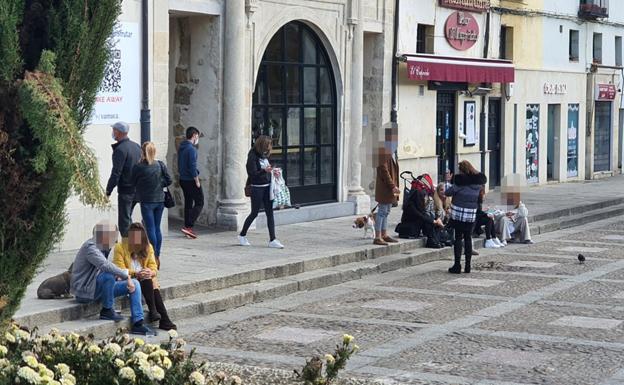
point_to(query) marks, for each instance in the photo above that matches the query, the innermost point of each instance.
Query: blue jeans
(107, 289)
(381, 222)
(152, 214)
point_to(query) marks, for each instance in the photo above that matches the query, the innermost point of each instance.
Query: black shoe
(455, 269)
(528, 242)
(110, 315)
(153, 316)
(141, 329)
(166, 324)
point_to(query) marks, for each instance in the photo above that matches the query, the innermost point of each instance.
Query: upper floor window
(618, 51)
(597, 48)
(594, 9)
(573, 50)
(506, 43)
(424, 38)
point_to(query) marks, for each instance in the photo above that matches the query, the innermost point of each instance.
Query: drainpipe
(145, 111)
(395, 63)
(482, 120)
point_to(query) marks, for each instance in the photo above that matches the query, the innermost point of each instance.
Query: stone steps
(188, 299)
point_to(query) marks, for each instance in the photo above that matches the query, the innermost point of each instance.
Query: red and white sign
(461, 30)
(467, 5)
(453, 69)
(605, 92)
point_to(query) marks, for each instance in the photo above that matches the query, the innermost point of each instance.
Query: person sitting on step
(486, 219)
(136, 255)
(419, 214)
(93, 279)
(511, 221)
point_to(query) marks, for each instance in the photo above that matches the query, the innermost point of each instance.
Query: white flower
(68, 379)
(73, 337)
(44, 371)
(236, 380)
(167, 363)
(197, 378)
(112, 348)
(156, 373)
(30, 361)
(173, 333)
(9, 337)
(140, 356)
(119, 363)
(127, 374)
(94, 349)
(329, 358)
(148, 348)
(347, 339)
(4, 363)
(22, 335)
(356, 348)
(3, 350)
(29, 375)
(62, 369)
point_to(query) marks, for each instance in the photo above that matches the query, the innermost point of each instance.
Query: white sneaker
(275, 244)
(499, 243)
(489, 244)
(243, 241)
(503, 243)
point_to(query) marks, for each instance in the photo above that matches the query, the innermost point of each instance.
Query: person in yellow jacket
(136, 255)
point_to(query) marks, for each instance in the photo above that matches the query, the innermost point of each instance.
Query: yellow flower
(44, 371)
(31, 361)
(29, 375)
(62, 369)
(197, 378)
(112, 348)
(356, 348)
(4, 363)
(156, 373)
(127, 374)
(22, 335)
(347, 339)
(94, 349)
(236, 380)
(119, 363)
(329, 358)
(173, 333)
(140, 356)
(68, 379)
(3, 350)
(9, 337)
(139, 342)
(167, 363)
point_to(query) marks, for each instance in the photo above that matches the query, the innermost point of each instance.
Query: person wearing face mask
(259, 173)
(189, 181)
(126, 154)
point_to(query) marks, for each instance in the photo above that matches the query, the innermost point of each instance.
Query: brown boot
(380, 242)
(389, 239)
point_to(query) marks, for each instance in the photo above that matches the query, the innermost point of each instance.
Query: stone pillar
(235, 136)
(356, 192)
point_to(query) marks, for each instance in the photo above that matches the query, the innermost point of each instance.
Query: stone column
(232, 207)
(356, 192)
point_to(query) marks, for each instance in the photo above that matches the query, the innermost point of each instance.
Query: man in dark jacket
(189, 181)
(126, 154)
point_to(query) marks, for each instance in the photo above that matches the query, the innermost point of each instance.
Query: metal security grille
(445, 135)
(295, 103)
(602, 137)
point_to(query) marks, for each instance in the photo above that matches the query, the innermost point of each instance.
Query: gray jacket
(89, 262)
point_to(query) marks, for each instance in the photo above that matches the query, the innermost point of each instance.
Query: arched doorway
(295, 103)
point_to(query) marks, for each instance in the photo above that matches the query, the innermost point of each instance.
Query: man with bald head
(94, 278)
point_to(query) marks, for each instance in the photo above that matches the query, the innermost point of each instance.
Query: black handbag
(169, 201)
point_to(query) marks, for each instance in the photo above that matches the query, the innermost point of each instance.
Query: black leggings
(463, 230)
(484, 220)
(260, 196)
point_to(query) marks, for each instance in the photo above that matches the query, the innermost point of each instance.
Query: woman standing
(136, 255)
(259, 178)
(465, 194)
(149, 177)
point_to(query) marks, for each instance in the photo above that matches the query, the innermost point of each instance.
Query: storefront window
(573, 129)
(532, 143)
(602, 137)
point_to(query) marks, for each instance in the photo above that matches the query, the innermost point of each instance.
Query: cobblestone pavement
(527, 314)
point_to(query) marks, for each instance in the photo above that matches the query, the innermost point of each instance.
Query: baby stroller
(410, 184)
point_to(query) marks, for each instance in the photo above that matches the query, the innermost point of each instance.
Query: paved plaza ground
(525, 315)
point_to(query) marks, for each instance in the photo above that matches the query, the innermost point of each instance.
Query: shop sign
(467, 5)
(605, 92)
(461, 30)
(555, 88)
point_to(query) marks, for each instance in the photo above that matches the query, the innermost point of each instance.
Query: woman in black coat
(415, 218)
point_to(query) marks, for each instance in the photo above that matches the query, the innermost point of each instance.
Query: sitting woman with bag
(418, 214)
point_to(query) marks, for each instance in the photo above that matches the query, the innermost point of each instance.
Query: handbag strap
(162, 174)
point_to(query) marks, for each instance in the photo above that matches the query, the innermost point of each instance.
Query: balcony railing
(594, 9)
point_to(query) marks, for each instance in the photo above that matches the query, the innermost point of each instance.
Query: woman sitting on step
(136, 255)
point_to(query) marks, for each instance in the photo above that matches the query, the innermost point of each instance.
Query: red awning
(459, 70)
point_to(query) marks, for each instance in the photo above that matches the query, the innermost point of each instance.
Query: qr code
(112, 73)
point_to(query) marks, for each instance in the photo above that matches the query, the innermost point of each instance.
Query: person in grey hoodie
(465, 193)
(93, 279)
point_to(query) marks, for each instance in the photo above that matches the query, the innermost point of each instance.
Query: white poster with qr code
(119, 96)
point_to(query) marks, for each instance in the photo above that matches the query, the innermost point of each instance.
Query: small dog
(367, 223)
(56, 287)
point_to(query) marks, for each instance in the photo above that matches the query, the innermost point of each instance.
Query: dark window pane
(293, 43)
(309, 126)
(259, 96)
(309, 85)
(274, 75)
(325, 85)
(309, 49)
(293, 173)
(257, 122)
(309, 165)
(327, 126)
(294, 126)
(292, 84)
(275, 127)
(327, 164)
(274, 49)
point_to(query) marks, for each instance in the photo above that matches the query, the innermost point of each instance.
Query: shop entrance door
(552, 153)
(494, 141)
(445, 133)
(602, 137)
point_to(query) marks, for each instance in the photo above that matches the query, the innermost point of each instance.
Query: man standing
(189, 181)
(126, 154)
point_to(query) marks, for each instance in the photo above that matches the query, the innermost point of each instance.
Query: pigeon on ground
(581, 258)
